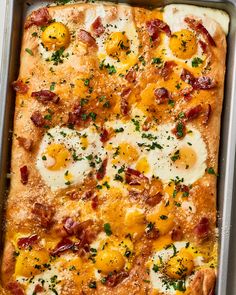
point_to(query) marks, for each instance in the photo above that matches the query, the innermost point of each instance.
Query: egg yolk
(109, 260)
(135, 222)
(127, 153)
(56, 157)
(185, 158)
(117, 45)
(56, 36)
(183, 44)
(143, 165)
(180, 265)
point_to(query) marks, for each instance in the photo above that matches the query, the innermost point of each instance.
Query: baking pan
(15, 13)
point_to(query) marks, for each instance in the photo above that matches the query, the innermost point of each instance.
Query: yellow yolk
(161, 242)
(127, 153)
(58, 155)
(84, 142)
(30, 263)
(56, 36)
(186, 158)
(109, 260)
(143, 165)
(135, 222)
(117, 45)
(180, 265)
(183, 44)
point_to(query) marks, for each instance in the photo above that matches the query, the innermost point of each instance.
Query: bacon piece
(182, 188)
(86, 233)
(167, 69)
(104, 136)
(147, 124)
(187, 77)
(161, 94)
(193, 113)
(37, 119)
(98, 27)
(75, 115)
(153, 234)
(44, 214)
(197, 26)
(134, 177)
(15, 288)
(179, 130)
(94, 202)
(154, 200)
(176, 234)
(46, 96)
(204, 83)
(201, 230)
(186, 92)
(64, 245)
(38, 289)
(203, 46)
(26, 143)
(24, 243)
(40, 17)
(102, 170)
(24, 173)
(20, 87)
(124, 106)
(115, 278)
(131, 76)
(86, 37)
(207, 114)
(70, 226)
(155, 26)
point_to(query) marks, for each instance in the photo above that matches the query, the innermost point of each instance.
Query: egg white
(78, 169)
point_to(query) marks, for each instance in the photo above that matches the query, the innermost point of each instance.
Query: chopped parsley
(176, 156)
(107, 229)
(211, 170)
(196, 62)
(157, 60)
(121, 129)
(118, 178)
(155, 268)
(136, 124)
(92, 285)
(29, 51)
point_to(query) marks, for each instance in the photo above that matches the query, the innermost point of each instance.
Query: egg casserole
(115, 151)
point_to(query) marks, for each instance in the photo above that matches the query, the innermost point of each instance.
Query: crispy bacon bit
(20, 87)
(176, 234)
(64, 245)
(207, 114)
(124, 106)
(46, 96)
(26, 143)
(75, 116)
(161, 94)
(167, 69)
(40, 17)
(154, 200)
(201, 230)
(37, 119)
(203, 46)
(193, 113)
(131, 76)
(98, 27)
(198, 27)
(202, 82)
(153, 233)
(155, 26)
(24, 173)
(182, 188)
(115, 278)
(147, 124)
(187, 77)
(24, 243)
(38, 289)
(94, 202)
(104, 136)
(43, 214)
(70, 226)
(102, 170)
(180, 129)
(186, 92)
(86, 37)
(86, 233)
(15, 288)
(134, 177)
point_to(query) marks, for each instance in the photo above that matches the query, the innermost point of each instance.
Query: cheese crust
(132, 215)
